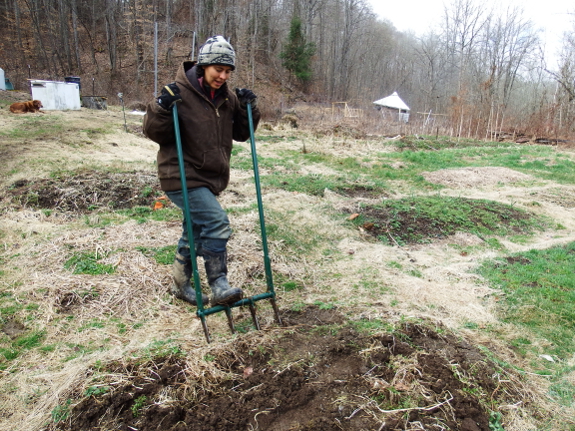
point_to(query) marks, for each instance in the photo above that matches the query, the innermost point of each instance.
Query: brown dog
(24, 107)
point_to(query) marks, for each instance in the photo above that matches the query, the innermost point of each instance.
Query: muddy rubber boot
(217, 271)
(181, 287)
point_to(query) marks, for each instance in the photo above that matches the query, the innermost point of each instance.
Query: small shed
(2, 80)
(395, 106)
(56, 96)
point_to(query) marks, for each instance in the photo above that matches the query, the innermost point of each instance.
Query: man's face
(216, 75)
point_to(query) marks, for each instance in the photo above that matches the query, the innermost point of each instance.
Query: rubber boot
(181, 287)
(217, 271)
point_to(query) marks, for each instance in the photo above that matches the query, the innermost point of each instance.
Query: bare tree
(462, 29)
(432, 72)
(74, 9)
(480, 66)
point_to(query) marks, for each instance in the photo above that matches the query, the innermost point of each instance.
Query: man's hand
(246, 96)
(170, 94)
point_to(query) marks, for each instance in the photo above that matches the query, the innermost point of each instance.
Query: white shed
(394, 103)
(2, 80)
(56, 96)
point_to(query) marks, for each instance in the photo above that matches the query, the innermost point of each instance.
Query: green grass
(34, 126)
(94, 324)
(140, 214)
(539, 292)
(563, 392)
(495, 421)
(243, 159)
(162, 255)
(537, 295)
(240, 210)
(351, 174)
(539, 161)
(161, 348)
(138, 405)
(145, 214)
(11, 350)
(88, 263)
(420, 219)
(96, 391)
(427, 143)
(418, 157)
(273, 139)
(298, 238)
(10, 310)
(289, 286)
(97, 131)
(29, 341)
(309, 184)
(16, 316)
(61, 412)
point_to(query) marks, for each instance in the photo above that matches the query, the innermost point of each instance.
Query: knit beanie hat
(217, 50)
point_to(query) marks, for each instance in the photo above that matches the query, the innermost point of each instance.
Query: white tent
(394, 102)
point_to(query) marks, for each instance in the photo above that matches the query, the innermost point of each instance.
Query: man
(210, 116)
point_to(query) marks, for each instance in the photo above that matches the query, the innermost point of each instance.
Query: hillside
(380, 331)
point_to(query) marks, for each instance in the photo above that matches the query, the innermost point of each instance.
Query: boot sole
(194, 302)
(235, 297)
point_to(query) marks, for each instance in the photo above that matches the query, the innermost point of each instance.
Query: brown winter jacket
(206, 132)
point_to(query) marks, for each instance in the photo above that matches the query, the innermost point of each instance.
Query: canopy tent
(394, 102)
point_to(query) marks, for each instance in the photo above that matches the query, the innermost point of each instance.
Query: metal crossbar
(250, 302)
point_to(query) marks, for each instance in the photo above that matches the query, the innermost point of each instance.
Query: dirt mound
(312, 377)
(409, 225)
(87, 192)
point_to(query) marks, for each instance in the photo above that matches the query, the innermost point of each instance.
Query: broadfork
(250, 302)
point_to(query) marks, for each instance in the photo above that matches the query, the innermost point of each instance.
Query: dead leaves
(161, 202)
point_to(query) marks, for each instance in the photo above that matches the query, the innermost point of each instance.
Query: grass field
(423, 283)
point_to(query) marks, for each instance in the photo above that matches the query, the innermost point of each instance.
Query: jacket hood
(187, 76)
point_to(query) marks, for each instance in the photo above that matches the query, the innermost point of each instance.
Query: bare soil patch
(87, 191)
(410, 227)
(322, 376)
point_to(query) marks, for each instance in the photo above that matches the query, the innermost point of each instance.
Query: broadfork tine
(230, 320)
(254, 317)
(205, 326)
(276, 311)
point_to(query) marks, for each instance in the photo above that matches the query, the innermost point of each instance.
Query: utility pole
(194, 46)
(155, 59)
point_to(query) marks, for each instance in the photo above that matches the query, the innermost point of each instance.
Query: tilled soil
(327, 376)
(87, 192)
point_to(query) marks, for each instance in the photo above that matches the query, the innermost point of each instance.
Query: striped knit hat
(217, 50)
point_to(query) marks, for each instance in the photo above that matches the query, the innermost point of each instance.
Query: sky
(418, 16)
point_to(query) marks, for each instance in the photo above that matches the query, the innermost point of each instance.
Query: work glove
(246, 96)
(170, 94)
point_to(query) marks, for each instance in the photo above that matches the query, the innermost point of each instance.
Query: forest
(481, 73)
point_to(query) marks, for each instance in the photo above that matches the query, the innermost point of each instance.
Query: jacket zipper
(219, 135)
(217, 107)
